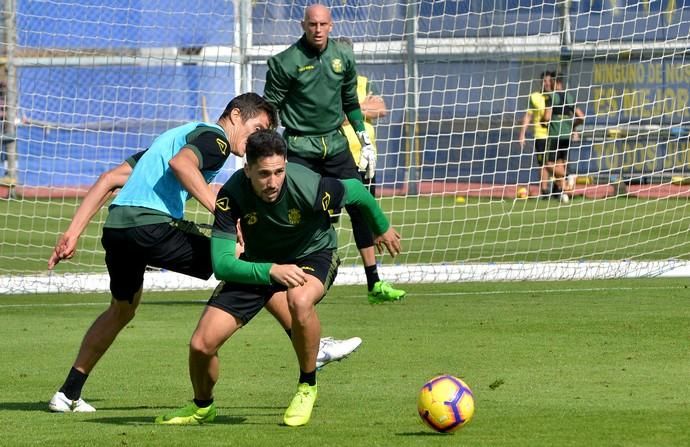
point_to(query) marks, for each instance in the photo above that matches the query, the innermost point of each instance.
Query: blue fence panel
(278, 22)
(124, 23)
(70, 158)
(678, 26)
(629, 20)
(105, 110)
(487, 18)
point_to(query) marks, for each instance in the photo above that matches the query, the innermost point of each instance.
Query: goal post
(89, 83)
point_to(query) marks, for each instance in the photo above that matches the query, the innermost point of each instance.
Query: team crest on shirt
(251, 218)
(325, 201)
(223, 204)
(337, 65)
(294, 216)
(222, 146)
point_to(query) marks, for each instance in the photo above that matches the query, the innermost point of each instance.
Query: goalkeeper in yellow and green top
(313, 84)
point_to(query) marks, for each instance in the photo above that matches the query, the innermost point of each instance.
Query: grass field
(439, 231)
(588, 363)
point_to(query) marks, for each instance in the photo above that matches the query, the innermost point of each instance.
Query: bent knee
(199, 345)
(122, 311)
(301, 308)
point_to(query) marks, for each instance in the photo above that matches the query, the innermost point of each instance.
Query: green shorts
(328, 155)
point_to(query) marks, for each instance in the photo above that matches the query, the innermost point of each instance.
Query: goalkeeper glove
(367, 157)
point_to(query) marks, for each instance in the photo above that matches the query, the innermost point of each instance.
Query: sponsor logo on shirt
(337, 65)
(294, 216)
(305, 68)
(251, 218)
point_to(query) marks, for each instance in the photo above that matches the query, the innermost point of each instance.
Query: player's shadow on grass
(24, 406)
(149, 420)
(254, 410)
(421, 433)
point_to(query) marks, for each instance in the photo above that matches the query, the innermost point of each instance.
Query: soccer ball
(522, 193)
(445, 403)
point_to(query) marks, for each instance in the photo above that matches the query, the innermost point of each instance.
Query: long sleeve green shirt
(294, 226)
(313, 90)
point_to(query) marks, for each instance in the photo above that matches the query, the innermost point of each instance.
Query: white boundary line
(416, 294)
(169, 281)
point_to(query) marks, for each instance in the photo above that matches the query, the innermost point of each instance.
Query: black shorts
(540, 151)
(244, 301)
(179, 246)
(558, 149)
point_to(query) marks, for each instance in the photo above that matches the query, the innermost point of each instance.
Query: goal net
(461, 173)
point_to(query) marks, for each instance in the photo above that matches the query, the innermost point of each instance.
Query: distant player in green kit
(290, 249)
(563, 116)
(313, 84)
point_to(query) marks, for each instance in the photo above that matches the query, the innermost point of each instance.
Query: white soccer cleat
(332, 350)
(570, 181)
(61, 404)
(564, 198)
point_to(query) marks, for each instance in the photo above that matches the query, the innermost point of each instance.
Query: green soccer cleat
(383, 291)
(299, 411)
(189, 415)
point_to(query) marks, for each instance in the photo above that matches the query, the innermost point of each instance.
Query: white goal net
(87, 83)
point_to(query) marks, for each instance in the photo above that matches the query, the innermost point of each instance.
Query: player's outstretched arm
(95, 198)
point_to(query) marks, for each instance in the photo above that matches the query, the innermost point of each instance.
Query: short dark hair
(250, 106)
(547, 73)
(265, 143)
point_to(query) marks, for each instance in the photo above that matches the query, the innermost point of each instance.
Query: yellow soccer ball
(445, 403)
(522, 193)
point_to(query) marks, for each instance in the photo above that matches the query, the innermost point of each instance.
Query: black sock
(203, 403)
(372, 275)
(73, 384)
(308, 378)
(289, 333)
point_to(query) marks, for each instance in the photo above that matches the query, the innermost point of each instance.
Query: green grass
(588, 363)
(440, 231)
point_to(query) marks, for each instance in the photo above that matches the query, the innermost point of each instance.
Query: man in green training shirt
(313, 84)
(290, 249)
(563, 116)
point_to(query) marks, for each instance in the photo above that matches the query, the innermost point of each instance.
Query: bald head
(317, 25)
(316, 9)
